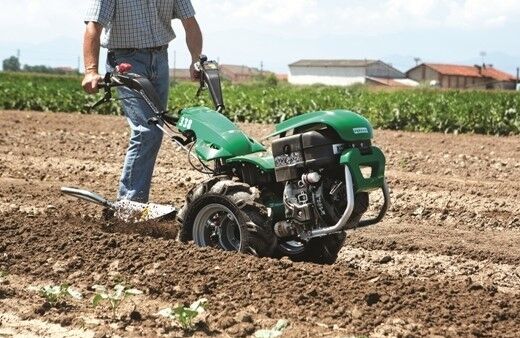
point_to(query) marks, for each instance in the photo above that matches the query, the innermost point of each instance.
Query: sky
(275, 33)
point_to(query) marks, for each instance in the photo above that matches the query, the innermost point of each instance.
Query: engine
(314, 195)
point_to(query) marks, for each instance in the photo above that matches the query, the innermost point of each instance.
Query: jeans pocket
(124, 55)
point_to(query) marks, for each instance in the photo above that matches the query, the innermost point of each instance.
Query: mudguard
(217, 137)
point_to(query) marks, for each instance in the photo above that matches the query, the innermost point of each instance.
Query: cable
(209, 172)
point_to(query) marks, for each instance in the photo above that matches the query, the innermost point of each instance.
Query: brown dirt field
(444, 262)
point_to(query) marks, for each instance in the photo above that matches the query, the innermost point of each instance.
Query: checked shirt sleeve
(101, 11)
(183, 9)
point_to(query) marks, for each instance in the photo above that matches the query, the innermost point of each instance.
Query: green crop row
(484, 112)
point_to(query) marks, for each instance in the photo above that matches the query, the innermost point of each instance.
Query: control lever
(108, 93)
(199, 67)
(210, 79)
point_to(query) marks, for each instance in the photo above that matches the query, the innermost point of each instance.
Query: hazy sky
(278, 32)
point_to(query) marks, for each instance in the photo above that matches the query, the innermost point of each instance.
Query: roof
(391, 82)
(332, 63)
(486, 71)
(498, 74)
(241, 70)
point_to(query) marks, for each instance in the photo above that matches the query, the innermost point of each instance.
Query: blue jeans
(145, 140)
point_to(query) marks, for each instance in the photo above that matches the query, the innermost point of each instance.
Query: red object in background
(124, 68)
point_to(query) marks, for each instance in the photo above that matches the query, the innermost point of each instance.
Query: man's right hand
(90, 82)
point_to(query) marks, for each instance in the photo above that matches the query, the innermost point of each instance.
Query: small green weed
(3, 274)
(114, 298)
(56, 293)
(275, 331)
(185, 315)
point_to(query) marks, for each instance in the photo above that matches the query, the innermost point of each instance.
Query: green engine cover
(349, 125)
(217, 136)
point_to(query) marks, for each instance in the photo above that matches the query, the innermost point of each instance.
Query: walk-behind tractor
(296, 200)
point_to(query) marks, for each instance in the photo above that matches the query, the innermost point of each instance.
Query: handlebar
(142, 86)
(209, 78)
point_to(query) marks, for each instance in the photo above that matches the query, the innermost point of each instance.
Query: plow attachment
(125, 210)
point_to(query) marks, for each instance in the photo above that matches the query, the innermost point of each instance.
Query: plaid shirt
(137, 23)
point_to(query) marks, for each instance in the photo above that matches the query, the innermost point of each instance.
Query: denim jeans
(145, 140)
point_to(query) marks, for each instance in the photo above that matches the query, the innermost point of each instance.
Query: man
(138, 32)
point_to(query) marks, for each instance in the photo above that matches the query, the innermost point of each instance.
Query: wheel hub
(216, 225)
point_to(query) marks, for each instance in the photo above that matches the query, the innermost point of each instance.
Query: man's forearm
(91, 46)
(193, 38)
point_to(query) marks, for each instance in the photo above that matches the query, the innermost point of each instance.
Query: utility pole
(483, 55)
(417, 60)
(18, 55)
(261, 67)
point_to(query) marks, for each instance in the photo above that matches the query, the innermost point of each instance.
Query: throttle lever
(105, 99)
(199, 66)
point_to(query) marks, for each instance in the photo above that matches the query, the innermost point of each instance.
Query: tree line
(12, 64)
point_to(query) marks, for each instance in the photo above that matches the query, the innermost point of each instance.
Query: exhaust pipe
(343, 221)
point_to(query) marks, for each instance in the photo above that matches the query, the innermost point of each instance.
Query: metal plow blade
(125, 210)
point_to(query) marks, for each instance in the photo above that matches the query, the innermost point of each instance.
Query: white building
(346, 73)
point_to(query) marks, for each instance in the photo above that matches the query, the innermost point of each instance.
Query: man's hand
(194, 43)
(90, 82)
(194, 73)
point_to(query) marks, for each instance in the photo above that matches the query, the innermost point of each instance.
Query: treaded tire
(320, 250)
(256, 233)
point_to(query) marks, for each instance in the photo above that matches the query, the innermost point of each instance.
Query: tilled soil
(444, 262)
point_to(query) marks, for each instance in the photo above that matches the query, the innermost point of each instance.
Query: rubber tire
(320, 250)
(256, 233)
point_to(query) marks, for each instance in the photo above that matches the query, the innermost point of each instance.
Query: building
(240, 74)
(282, 77)
(459, 76)
(180, 74)
(346, 73)
(233, 73)
(64, 70)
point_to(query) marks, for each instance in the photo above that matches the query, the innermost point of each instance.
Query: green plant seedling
(276, 330)
(114, 298)
(185, 315)
(55, 293)
(3, 274)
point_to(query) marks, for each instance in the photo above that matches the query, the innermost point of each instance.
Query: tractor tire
(227, 214)
(320, 250)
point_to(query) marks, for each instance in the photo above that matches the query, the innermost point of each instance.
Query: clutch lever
(106, 98)
(106, 85)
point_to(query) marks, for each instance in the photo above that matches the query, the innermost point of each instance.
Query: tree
(37, 69)
(11, 64)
